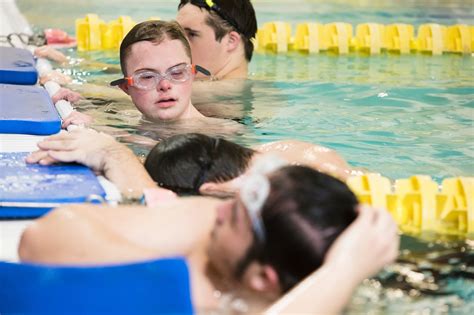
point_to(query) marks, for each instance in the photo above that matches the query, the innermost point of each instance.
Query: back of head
(184, 162)
(228, 15)
(155, 32)
(304, 213)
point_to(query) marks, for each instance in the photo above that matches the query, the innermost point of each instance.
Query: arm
(90, 234)
(101, 153)
(367, 245)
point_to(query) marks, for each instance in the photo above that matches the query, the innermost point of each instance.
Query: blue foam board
(17, 66)
(30, 190)
(151, 287)
(27, 110)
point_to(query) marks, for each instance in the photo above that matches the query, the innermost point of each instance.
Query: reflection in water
(430, 277)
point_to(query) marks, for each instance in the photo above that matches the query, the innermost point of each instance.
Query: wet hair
(155, 32)
(304, 213)
(182, 163)
(237, 15)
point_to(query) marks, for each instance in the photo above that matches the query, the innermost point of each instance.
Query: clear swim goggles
(255, 188)
(148, 80)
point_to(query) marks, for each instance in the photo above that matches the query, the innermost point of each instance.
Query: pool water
(398, 115)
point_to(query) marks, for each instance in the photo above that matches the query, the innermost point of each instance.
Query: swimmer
(187, 163)
(199, 164)
(220, 33)
(155, 59)
(280, 228)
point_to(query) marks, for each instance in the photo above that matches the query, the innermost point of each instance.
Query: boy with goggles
(155, 59)
(220, 33)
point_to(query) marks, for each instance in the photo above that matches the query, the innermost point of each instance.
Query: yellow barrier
(432, 38)
(460, 39)
(418, 205)
(276, 37)
(88, 32)
(399, 38)
(94, 34)
(337, 37)
(370, 38)
(309, 38)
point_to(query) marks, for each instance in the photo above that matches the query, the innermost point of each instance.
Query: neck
(235, 68)
(191, 112)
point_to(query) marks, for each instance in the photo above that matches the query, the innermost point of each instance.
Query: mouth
(166, 102)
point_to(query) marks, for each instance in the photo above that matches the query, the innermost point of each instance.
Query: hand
(85, 146)
(78, 119)
(367, 245)
(67, 95)
(55, 76)
(50, 53)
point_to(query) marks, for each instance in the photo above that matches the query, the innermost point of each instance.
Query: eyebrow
(154, 70)
(188, 29)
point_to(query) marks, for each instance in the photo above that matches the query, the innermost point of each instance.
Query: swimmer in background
(220, 33)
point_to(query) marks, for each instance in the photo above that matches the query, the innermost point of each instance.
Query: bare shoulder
(291, 145)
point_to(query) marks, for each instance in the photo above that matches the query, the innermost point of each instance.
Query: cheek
(142, 99)
(184, 91)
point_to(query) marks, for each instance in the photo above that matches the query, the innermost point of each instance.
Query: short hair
(238, 15)
(303, 215)
(182, 163)
(155, 32)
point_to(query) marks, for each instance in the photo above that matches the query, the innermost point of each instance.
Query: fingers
(66, 94)
(40, 157)
(36, 156)
(64, 156)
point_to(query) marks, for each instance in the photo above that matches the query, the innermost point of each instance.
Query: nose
(163, 85)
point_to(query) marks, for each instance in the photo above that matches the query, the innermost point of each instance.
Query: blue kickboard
(151, 287)
(27, 110)
(31, 190)
(17, 66)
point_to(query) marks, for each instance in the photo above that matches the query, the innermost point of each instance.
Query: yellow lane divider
(419, 205)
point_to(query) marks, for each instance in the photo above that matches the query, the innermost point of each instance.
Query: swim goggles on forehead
(211, 6)
(148, 80)
(254, 191)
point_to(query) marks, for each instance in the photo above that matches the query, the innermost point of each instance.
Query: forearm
(125, 170)
(326, 291)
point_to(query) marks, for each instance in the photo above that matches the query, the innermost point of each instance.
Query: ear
(124, 87)
(263, 278)
(223, 189)
(233, 41)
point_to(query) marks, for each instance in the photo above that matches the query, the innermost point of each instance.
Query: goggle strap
(128, 80)
(198, 68)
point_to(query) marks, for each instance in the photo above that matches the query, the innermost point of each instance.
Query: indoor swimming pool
(399, 115)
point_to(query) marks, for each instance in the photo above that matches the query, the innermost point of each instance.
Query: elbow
(28, 247)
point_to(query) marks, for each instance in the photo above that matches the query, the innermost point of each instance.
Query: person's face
(206, 51)
(168, 100)
(231, 237)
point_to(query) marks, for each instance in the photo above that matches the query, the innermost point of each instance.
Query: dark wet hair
(155, 32)
(228, 15)
(184, 162)
(304, 213)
